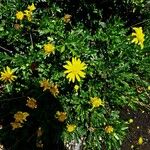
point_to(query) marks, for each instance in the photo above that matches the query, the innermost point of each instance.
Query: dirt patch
(140, 127)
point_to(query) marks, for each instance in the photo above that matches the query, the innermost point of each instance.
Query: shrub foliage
(66, 78)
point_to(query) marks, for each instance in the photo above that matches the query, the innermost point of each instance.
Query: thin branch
(5, 49)
(140, 22)
(31, 39)
(9, 99)
(28, 140)
(142, 104)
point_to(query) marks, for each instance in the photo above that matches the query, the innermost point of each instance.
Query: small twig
(40, 96)
(143, 105)
(31, 39)
(9, 99)
(28, 140)
(13, 146)
(5, 49)
(140, 22)
(148, 95)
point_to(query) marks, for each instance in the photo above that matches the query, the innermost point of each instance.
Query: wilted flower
(21, 116)
(16, 125)
(45, 84)
(61, 116)
(53, 89)
(17, 26)
(39, 132)
(67, 18)
(31, 103)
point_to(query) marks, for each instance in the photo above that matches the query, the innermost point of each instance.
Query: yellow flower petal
(31, 7)
(67, 67)
(67, 71)
(82, 74)
(142, 45)
(135, 40)
(77, 77)
(133, 34)
(69, 63)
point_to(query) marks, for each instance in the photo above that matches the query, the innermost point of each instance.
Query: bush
(62, 82)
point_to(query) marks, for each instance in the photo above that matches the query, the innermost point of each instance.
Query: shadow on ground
(41, 121)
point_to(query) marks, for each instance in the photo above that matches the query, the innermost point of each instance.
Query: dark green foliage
(117, 71)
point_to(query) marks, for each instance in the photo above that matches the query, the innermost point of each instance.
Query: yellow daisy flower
(19, 15)
(53, 89)
(96, 102)
(16, 125)
(45, 84)
(49, 48)
(109, 129)
(67, 18)
(28, 14)
(7, 75)
(21, 116)
(138, 37)
(31, 7)
(71, 127)
(61, 116)
(75, 69)
(31, 103)
(49, 86)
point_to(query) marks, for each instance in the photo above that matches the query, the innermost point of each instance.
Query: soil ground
(139, 128)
